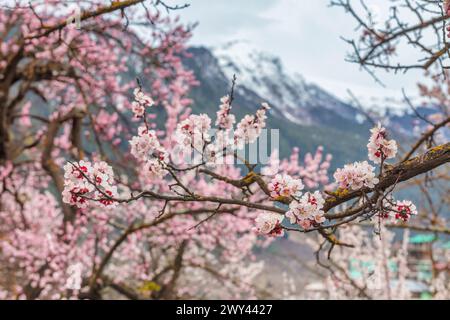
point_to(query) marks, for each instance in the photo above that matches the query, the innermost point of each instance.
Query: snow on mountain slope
(297, 100)
(308, 115)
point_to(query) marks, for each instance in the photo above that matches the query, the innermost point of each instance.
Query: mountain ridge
(342, 136)
(265, 74)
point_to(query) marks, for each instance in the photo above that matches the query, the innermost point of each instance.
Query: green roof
(422, 238)
(446, 245)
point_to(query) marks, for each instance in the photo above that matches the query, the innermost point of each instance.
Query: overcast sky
(305, 34)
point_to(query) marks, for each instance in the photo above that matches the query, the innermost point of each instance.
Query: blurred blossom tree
(94, 197)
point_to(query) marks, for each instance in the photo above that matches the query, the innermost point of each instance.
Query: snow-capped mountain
(295, 98)
(306, 114)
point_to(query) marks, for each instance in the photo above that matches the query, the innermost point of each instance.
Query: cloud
(220, 21)
(305, 34)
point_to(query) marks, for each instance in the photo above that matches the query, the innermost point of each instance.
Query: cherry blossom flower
(213, 155)
(396, 211)
(193, 132)
(218, 151)
(404, 210)
(141, 102)
(153, 169)
(146, 145)
(307, 211)
(283, 185)
(142, 98)
(77, 195)
(269, 223)
(356, 175)
(76, 172)
(138, 109)
(379, 147)
(103, 173)
(84, 182)
(225, 120)
(250, 127)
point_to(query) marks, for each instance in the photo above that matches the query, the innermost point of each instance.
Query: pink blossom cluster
(84, 181)
(380, 148)
(146, 145)
(147, 149)
(216, 152)
(154, 169)
(225, 120)
(193, 132)
(250, 127)
(45, 254)
(42, 249)
(103, 126)
(307, 211)
(141, 101)
(399, 211)
(283, 185)
(269, 224)
(36, 239)
(356, 175)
